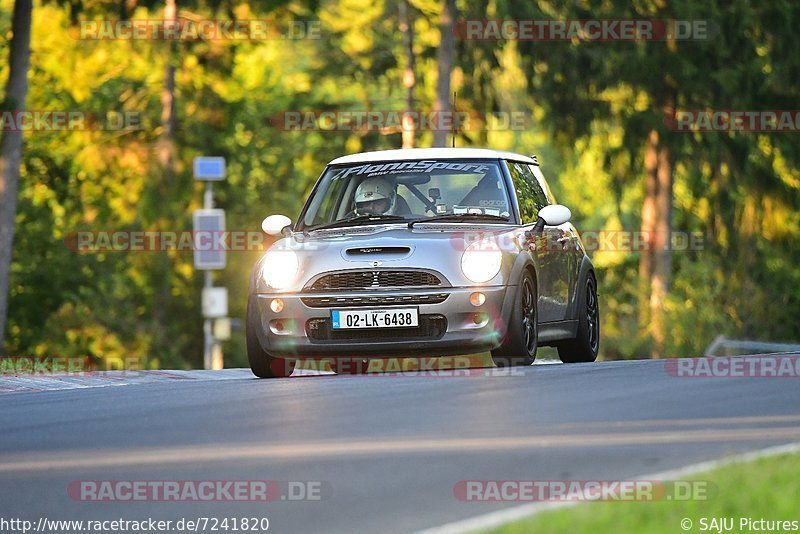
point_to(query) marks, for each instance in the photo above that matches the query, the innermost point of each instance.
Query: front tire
(522, 337)
(262, 363)
(586, 345)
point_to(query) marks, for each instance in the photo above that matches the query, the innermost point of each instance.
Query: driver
(375, 196)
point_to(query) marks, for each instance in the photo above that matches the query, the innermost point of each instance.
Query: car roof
(432, 153)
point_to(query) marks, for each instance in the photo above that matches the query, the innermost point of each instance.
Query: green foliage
(589, 107)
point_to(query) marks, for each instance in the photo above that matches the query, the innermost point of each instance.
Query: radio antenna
(454, 119)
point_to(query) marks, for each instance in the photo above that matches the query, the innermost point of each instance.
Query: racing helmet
(375, 196)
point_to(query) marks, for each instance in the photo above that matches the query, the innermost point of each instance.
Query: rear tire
(262, 363)
(522, 336)
(586, 345)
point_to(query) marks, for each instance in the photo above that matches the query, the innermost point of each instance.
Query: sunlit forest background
(595, 116)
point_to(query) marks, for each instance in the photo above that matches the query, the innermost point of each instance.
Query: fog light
(276, 305)
(281, 327)
(477, 298)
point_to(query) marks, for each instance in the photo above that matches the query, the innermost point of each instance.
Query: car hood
(431, 246)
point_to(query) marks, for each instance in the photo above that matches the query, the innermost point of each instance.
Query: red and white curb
(102, 379)
(29, 383)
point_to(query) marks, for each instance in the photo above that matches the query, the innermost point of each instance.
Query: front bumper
(448, 326)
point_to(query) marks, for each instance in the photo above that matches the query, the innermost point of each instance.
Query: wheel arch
(522, 264)
(586, 269)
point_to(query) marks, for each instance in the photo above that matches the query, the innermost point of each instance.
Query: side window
(537, 172)
(326, 201)
(530, 196)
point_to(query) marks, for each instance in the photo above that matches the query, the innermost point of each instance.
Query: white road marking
(301, 451)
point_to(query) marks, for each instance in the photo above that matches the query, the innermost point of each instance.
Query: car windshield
(408, 190)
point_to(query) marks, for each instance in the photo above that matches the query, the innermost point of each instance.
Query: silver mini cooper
(423, 252)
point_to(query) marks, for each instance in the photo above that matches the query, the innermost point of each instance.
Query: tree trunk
(648, 228)
(446, 61)
(166, 142)
(166, 155)
(11, 146)
(409, 77)
(662, 253)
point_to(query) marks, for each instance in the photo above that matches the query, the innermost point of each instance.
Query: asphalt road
(387, 450)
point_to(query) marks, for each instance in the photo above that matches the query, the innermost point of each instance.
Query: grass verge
(766, 488)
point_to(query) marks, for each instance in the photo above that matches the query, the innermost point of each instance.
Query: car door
(562, 241)
(549, 258)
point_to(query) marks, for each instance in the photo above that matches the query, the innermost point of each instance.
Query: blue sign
(209, 168)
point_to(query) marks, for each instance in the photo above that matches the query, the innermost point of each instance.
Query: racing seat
(401, 206)
(486, 193)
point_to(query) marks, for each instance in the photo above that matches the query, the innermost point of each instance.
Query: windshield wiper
(355, 221)
(460, 217)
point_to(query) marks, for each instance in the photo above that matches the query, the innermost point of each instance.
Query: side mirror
(552, 215)
(276, 225)
(555, 214)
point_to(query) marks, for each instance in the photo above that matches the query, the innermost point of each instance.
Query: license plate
(393, 318)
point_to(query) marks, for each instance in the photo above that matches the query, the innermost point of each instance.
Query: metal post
(215, 299)
(208, 196)
(208, 332)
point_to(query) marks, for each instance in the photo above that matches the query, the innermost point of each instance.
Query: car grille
(430, 327)
(375, 279)
(374, 300)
